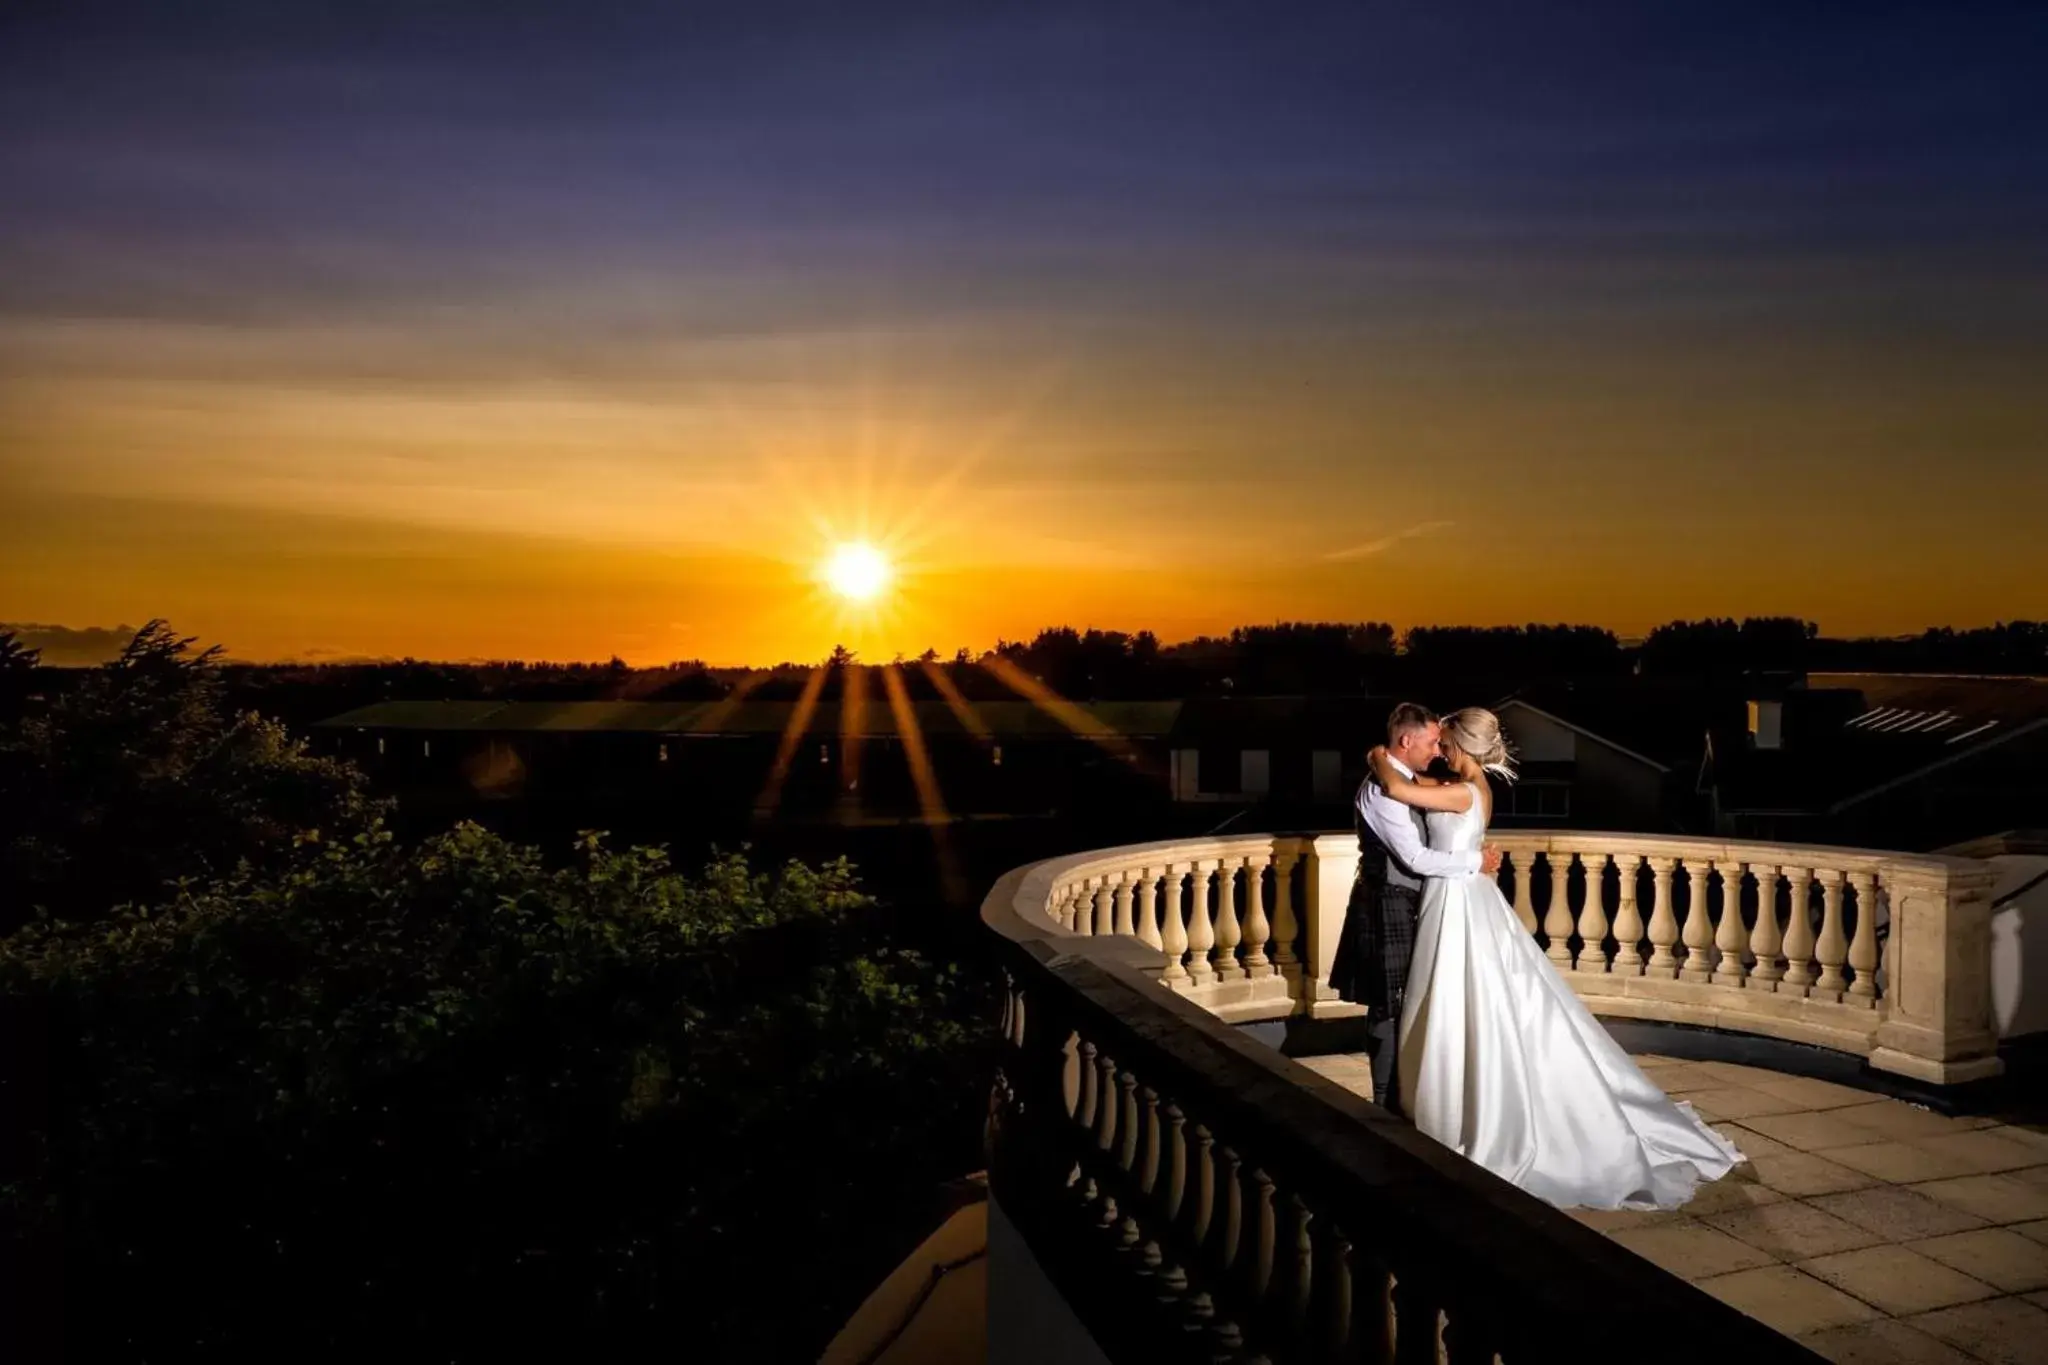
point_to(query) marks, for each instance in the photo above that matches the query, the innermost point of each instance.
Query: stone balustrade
(1182, 1193)
(1884, 955)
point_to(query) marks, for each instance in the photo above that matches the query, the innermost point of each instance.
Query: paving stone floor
(1874, 1231)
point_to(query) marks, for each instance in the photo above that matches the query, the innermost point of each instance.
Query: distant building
(1883, 760)
(1612, 754)
(829, 761)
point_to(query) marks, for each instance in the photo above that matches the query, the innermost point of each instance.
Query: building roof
(1868, 733)
(1351, 724)
(877, 719)
(1661, 723)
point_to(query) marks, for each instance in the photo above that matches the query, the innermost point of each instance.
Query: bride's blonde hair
(1476, 731)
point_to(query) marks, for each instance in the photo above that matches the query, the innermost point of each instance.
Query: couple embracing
(1474, 1035)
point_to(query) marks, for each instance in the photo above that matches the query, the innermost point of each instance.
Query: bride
(1499, 1060)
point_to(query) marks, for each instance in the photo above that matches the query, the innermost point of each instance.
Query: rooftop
(1850, 736)
(876, 719)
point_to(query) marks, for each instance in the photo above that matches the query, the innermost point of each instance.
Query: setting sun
(857, 572)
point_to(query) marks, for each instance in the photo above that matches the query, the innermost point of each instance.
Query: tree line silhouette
(1284, 658)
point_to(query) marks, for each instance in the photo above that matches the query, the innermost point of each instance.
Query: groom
(1379, 926)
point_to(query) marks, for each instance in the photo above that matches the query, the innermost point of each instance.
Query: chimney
(1767, 724)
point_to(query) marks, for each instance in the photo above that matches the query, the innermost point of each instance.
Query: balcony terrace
(1167, 1183)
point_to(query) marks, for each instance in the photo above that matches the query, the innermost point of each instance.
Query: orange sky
(442, 335)
(290, 518)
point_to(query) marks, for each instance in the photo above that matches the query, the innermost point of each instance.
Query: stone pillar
(1938, 1024)
(1333, 867)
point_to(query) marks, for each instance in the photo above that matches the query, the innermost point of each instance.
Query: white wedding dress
(1503, 1064)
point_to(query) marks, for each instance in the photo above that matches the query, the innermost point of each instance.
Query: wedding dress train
(1501, 1062)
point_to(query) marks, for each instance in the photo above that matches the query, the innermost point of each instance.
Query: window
(380, 744)
(426, 748)
(1219, 771)
(824, 753)
(997, 755)
(1540, 800)
(1326, 774)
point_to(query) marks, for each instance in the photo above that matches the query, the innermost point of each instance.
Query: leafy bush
(449, 1096)
(136, 776)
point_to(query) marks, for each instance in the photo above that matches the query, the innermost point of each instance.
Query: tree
(451, 1095)
(18, 665)
(137, 776)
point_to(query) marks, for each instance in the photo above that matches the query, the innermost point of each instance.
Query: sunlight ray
(930, 801)
(792, 736)
(1067, 713)
(962, 709)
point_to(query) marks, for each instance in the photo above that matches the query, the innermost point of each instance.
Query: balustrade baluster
(1863, 947)
(1765, 942)
(1121, 905)
(1330, 1268)
(1257, 929)
(1083, 1105)
(1105, 909)
(1263, 1235)
(1146, 907)
(1593, 915)
(1468, 1339)
(1173, 930)
(1299, 1248)
(1730, 938)
(1202, 1166)
(1127, 1121)
(1228, 935)
(1832, 948)
(1286, 927)
(1798, 978)
(1525, 890)
(1105, 1101)
(1373, 1325)
(1698, 931)
(1557, 920)
(1628, 920)
(1229, 1213)
(1663, 924)
(1418, 1324)
(1175, 1139)
(1148, 1159)
(1201, 934)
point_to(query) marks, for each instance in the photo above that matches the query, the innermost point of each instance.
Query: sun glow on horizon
(857, 571)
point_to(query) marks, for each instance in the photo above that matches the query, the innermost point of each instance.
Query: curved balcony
(1166, 1186)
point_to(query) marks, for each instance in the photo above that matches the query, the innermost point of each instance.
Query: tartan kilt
(1379, 941)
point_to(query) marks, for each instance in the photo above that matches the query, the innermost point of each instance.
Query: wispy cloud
(1387, 542)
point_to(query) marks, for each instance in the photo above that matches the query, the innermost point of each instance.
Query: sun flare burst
(857, 572)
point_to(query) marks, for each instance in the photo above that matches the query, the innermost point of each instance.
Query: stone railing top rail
(1041, 878)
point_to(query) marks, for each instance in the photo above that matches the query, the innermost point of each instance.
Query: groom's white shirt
(1394, 823)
